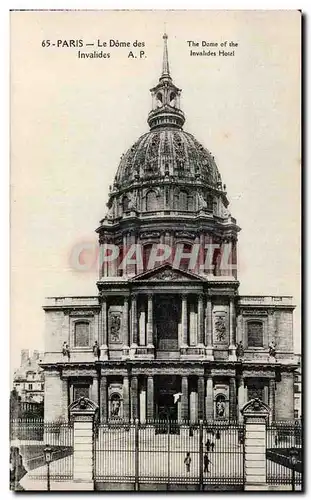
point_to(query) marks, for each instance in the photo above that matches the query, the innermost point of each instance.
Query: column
(134, 320)
(150, 398)
(193, 406)
(150, 321)
(142, 404)
(209, 398)
(134, 397)
(266, 394)
(241, 397)
(232, 398)
(201, 394)
(184, 399)
(64, 399)
(184, 320)
(126, 398)
(272, 397)
(125, 249)
(200, 321)
(193, 324)
(232, 324)
(125, 322)
(142, 325)
(94, 390)
(103, 402)
(103, 340)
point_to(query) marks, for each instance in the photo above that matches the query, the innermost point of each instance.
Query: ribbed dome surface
(167, 152)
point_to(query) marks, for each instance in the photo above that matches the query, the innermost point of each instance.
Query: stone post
(255, 414)
(241, 396)
(232, 398)
(272, 397)
(82, 413)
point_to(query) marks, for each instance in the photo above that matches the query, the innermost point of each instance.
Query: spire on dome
(165, 64)
(166, 110)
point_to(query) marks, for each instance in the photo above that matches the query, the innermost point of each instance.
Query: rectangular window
(254, 392)
(81, 391)
(296, 414)
(296, 388)
(255, 334)
(82, 334)
(30, 387)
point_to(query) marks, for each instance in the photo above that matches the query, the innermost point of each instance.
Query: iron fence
(205, 454)
(282, 439)
(29, 438)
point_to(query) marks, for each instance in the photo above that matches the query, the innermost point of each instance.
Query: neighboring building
(28, 379)
(167, 331)
(297, 387)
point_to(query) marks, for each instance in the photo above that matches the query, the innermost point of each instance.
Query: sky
(72, 119)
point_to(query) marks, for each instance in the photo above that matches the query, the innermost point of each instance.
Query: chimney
(24, 356)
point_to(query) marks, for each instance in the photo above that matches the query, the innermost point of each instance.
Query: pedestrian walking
(206, 461)
(218, 435)
(208, 445)
(187, 461)
(212, 446)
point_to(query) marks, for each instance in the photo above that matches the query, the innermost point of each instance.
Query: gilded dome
(167, 152)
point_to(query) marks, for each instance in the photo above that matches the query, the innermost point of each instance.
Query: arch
(255, 333)
(125, 203)
(151, 201)
(173, 99)
(146, 254)
(159, 99)
(82, 333)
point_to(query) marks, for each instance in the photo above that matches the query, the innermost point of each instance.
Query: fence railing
(170, 452)
(29, 438)
(282, 438)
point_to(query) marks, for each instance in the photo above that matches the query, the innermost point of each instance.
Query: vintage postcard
(155, 199)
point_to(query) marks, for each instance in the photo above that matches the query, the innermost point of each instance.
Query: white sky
(71, 120)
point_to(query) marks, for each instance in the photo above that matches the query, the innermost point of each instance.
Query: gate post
(201, 486)
(255, 414)
(82, 413)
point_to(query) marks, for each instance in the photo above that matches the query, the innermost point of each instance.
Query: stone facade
(28, 379)
(168, 336)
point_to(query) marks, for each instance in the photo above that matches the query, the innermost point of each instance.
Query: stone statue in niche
(115, 326)
(220, 328)
(220, 406)
(272, 350)
(96, 349)
(115, 406)
(240, 350)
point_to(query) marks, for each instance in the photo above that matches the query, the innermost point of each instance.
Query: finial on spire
(165, 66)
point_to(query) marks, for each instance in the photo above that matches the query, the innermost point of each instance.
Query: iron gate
(205, 455)
(282, 439)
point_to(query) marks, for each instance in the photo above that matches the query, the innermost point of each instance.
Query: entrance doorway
(165, 388)
(168, 313)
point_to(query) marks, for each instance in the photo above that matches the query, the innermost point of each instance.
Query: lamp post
(293, 453)
(48, 459)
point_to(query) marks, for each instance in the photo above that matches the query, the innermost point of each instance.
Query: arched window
(220, 406)
(151, 201)
(82, 334)
(255, 334)
(125, 203)
(183, 200)
(146, 255)
(185, 263)
(172, 98)
(159, 99)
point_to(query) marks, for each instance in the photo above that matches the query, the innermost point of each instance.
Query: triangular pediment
(167, 273)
